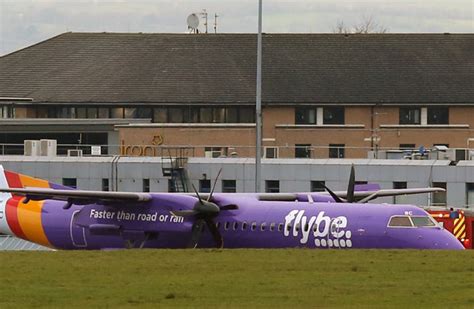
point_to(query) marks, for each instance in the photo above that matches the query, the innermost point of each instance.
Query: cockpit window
(400, 221)
(423, 221)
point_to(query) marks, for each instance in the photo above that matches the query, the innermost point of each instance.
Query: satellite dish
(193, 21)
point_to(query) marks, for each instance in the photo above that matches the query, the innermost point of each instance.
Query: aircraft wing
(368, 195)
(78, 196)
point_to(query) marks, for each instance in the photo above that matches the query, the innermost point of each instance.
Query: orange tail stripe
(33, 182)
(11, 211)
(29, 217)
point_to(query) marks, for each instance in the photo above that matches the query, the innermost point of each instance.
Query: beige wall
(286, 137)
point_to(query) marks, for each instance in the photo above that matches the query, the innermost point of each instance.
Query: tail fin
(10, 179)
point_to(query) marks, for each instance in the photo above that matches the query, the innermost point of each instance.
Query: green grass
(238, 278)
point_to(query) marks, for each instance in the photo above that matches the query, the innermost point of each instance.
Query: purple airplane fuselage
(255, 224)
(60, 218)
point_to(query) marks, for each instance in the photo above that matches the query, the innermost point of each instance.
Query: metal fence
(275, 151)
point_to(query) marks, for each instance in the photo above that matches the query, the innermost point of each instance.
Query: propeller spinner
(205, 211)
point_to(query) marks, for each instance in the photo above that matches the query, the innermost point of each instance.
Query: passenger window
(226, 226)
(218, 225)
(254, 226)
(288, 228)
(423, 221)
(236, 226)
(263, 226)
(280, 227)
(306, 227)
(272, 226)
(244, 226)
(315, 227)
(297, 227)
(400, 221)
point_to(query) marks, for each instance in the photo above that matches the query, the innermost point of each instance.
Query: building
(148, 174)
(324, 95)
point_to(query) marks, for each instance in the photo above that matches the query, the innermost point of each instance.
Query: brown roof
(221, 68)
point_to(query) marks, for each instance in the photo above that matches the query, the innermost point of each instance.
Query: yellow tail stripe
(29, 218)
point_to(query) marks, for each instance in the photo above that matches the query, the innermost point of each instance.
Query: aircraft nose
(447, 241)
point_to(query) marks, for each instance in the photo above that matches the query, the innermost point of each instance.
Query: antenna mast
(215, 22)
(204, 15)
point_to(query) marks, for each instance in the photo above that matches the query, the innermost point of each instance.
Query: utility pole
(258, 105)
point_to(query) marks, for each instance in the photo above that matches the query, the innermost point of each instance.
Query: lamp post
(258, 105)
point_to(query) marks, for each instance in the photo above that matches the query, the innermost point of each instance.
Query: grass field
(238, 278)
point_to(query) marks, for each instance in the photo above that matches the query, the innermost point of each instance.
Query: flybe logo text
(327, 232)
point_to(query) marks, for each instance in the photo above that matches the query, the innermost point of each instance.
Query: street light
(258, 105)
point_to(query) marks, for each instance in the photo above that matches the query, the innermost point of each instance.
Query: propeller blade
(183, 213)
(196, 233)
(214, 185)
(197, 193)
(333, 195)
(351, 186)
(230, 207)
(215, 233)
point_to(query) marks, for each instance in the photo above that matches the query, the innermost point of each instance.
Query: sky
(26, 22)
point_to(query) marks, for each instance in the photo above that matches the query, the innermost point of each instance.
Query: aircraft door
(78, 233)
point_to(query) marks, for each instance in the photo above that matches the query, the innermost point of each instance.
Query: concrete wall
(295, 175)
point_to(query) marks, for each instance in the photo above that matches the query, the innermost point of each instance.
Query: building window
(333, 115)
(215, 152)
(42, 112)
(305, 115)
(205, 115)
(303, 151)
(172, 186)
(272, 186)
(470, 195)
(66, 112)
(439, 198)
(218, 115)
(104, 112)
(271, 152)
(70, 182)
(146, 185)
(92, 112)
(160, 115)
(228, 186)
(407, 146)
(246, 115)
(336, 151)
(191, 114)
(232, 115)
(175, 115)
(438, 115)
(410, 115)
(317, 186)
(105, 184)
(116, 112)
(205, 185)
(3, 111)
(144, 113)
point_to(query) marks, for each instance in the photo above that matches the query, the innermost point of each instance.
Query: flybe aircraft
(63, 218)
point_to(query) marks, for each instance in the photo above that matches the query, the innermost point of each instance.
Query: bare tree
(366, 25)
